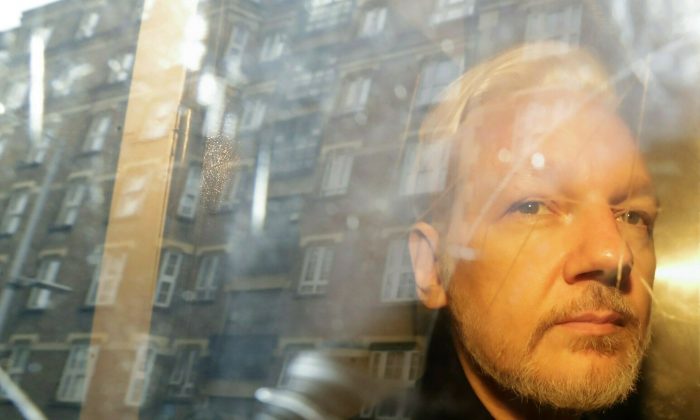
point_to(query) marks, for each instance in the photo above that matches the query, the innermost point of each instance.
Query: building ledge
(231, 388)
(258, 283)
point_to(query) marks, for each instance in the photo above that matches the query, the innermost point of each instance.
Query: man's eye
(633, 218)
(528, 207)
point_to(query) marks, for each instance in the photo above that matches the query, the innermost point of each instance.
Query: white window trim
(235, 50)
(410, 368)
(430, 90)
(120, 68)
(253, 114)
(17, 362)
(14, 212)
(75, 373)
(189, 197)
(97, 133)
(273, 47)
(425, 167)
(356, 94)
(208, 276)
(40, 298)
(87, 25)
(373, 21)
(167, 280)
(336, 174)
(70, 205)
(317, 269)
(182, 379)
(448, 10)
(106, 278)
(141, 373)
(233, 187)
(396, 269)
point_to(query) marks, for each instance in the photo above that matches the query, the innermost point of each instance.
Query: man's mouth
(594, 323)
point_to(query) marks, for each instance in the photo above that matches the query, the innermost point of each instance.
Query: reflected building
(296, 175)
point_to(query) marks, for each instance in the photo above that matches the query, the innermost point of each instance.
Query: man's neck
(502, 403)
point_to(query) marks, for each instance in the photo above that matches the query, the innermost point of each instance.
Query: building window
(77, 373)
(120, 68)
(398, 284)
(253, 114)
(235, 188)
(310, 84)
(189, 197)
(72, 73)
(273, 47)
(373, 22)
(324, 14)
(106, 278)
(355, 94)
(70, 206)
(38, 150)
(336, 174)
(87, 25)
(207, 277)
(563, 25)
(436, 76)
(132, 196)
(295, 147)
(395, 365)
(141, 373)
(39, 297)
(167, 278)
(234, 52)
(182, 379)
(446, 10)
(14, 211)
(424, 167)
(401, 368)
(97, 133)
(17, 362)
(318, 261)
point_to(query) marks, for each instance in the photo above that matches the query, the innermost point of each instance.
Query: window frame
(104, 290)
(397, 268)
(337, 173)
(316, 269)
(167, 279)
(183, 378)
(425, 167)
(356, 92)
(14, 212)
(67, 390)
(190, 193)
(207, 280)
(373, 21)
(47, 272)
(73, 198)
(137, 390)
(97, 133)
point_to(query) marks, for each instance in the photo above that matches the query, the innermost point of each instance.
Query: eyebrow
(638, 191)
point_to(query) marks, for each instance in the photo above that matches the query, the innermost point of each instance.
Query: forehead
(562, 134)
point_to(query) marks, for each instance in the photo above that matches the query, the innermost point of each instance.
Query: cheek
(520, 266)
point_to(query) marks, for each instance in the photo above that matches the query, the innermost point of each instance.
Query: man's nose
(600, 252)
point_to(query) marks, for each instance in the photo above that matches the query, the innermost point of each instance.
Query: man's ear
(422, 243)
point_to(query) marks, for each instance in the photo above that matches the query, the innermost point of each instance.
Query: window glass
(361, 209)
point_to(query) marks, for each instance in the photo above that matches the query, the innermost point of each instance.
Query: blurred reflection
(205, 206)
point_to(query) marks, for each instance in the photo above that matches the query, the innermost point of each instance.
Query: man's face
(554, 258)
